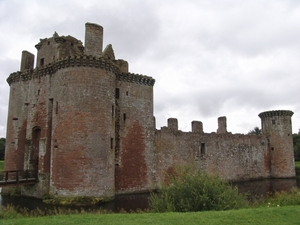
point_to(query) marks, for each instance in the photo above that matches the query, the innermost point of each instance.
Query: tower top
(273, 113)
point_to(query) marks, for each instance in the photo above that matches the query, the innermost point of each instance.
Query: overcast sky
(210, 58)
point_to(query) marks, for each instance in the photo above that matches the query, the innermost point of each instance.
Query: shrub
(187, 191)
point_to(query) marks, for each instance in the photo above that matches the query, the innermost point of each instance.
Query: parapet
(222, 125)
(197, 127)
(273, 113)
(173, 124)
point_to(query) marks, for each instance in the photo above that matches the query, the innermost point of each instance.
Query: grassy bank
(263, 215)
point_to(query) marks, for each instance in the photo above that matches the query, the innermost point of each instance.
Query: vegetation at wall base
(75, 201)
(188, 190)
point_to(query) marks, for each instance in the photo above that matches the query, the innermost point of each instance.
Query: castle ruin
(86, 125)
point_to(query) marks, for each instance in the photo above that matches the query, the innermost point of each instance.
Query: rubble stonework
(86, 125)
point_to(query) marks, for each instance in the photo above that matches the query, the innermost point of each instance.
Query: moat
(134, 202)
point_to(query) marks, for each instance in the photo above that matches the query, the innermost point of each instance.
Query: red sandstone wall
(82, 157)
(135, 158)
(277, 126)
(233, 157)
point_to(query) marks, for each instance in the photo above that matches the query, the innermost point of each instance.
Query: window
(202, 149)
(117, 93)
(124, 116)
(42, 62)
(111, 143)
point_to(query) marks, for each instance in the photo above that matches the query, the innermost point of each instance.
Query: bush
(189, 191)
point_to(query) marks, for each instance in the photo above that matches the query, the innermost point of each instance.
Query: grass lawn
(263, 215)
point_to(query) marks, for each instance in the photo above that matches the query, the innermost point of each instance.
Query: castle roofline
(79, 61)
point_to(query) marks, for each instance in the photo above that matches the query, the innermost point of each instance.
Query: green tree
(2, 148)
(255, 131)
(296, 142)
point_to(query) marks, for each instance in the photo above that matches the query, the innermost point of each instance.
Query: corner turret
(277, 126)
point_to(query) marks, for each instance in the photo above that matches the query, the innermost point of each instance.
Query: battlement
(79, 61)
(272, 113)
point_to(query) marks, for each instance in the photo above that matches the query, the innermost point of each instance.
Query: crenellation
(88, 125)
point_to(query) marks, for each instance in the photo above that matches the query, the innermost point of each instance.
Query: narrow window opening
(272, 149)
(111, 143)
(42, 62)
(126, 93)
(38, 93)
(273, 122)
(202, 149)
(117, 93)
(112, 110)
(15, 118)
(48, 42)
(124, 116)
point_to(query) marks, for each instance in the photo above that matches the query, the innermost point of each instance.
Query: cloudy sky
(210, 58)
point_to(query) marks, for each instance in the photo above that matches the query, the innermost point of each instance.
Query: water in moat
(134, 202)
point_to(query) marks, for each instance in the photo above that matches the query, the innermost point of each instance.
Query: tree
(2, 148)
(255, 131)
(296, 142)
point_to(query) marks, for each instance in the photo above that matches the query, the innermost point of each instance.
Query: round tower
(277, 126)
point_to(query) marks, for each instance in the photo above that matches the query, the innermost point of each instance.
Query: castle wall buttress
(135, 155)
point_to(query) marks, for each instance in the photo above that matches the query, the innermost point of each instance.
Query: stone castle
(86, 125)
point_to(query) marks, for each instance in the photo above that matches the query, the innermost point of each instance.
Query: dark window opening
(273, 121)
(112, 110)
(111, 143)
(272, 148)
(72, 44)
(42, 62)
(126, 93)
(117, 93)
(15, 118)
(124, 116)
(38, 93)
(202, 149)
(48, 42)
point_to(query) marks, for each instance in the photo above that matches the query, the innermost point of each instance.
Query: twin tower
(85, 124)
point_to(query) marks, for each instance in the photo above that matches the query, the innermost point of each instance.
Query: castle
(86, 125)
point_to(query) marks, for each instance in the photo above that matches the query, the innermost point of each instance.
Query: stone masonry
(86, 125)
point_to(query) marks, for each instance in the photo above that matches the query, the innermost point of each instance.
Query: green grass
(263, 215)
